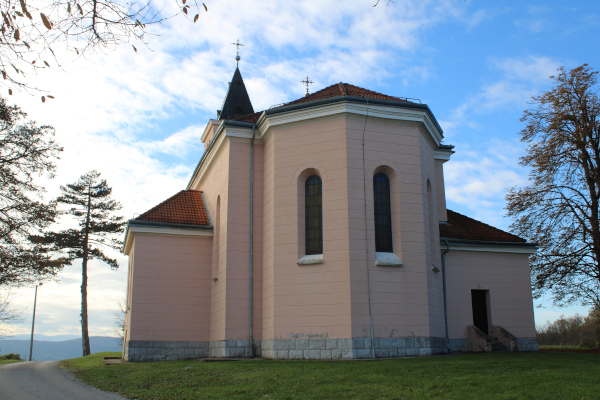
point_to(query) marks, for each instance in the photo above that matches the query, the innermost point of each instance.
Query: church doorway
(479, 301)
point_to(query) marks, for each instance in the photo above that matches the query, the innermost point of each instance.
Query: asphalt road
(43, 380)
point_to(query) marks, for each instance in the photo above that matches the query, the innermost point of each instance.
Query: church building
(318, 229)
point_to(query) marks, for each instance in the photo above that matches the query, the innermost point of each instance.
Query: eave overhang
(488, 246)
(162, 229)
(443, 152)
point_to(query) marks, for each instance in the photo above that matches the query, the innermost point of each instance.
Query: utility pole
(33, 322)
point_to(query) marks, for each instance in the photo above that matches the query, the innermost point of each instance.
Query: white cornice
(214, 150)
(373, 110)
(235, 131)
(491, 249)
(133, 230)
(209, 128)
(443, 155)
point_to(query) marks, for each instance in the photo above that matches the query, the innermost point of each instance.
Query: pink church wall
(435, 300)
(170, 292)
(441, 191)
(505, 275)
(238, 251)
(399, 294)
(308, 299)
(228, 180)
(268, 238)
(215, 188)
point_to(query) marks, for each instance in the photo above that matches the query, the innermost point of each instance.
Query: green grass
(560, 348)
(552, 376)
(9, 361)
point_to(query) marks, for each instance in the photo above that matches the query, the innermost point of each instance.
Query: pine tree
(28, 153)
(93, 209)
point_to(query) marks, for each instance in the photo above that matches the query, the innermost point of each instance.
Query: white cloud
(476, 181)
(59, 303)
(520, 78)
(536, 70)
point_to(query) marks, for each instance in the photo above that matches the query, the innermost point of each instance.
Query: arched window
(314, 215)
(383, 213)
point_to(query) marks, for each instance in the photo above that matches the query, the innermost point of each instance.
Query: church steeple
(237, 102)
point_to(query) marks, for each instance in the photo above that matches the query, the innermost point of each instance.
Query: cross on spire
(238, 45)
(307, 82)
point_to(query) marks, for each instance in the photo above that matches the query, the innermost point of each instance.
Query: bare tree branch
(560, 207)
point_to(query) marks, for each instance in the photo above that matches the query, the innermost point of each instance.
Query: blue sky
(138, 117)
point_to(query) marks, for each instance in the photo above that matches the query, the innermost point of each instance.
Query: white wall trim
(443, 155)
(208, 161)
(374, 110)
(209, 128)
(134, 230)
(387, 260)
(491, 249)
(311, 259)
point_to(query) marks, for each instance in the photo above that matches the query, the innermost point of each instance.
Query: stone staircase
(498, 341)
(497, 346)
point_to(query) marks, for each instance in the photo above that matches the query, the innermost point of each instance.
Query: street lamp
(33, 321)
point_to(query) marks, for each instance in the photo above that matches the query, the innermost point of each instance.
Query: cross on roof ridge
(307, 82)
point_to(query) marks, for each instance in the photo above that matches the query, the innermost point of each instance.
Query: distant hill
(46, 350)
(48, 338)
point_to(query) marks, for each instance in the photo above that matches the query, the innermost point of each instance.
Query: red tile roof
(463, 227)
(186, 207)
(253, 118)
(342, 89)
(339, 89)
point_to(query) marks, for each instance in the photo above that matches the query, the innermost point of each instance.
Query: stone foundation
(459, 345)
(351, 348)
(525, 344)
(286, 349)
(230, 349)
(528, 344)
(298, 349)
(148, 350)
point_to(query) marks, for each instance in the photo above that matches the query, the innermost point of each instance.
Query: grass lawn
(9, 361)
(469, 376)
(560, 348)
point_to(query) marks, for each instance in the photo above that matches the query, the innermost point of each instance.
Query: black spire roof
(237, 102)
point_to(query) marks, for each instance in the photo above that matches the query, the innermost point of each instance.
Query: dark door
(480, 314)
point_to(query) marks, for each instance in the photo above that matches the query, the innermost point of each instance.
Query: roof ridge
(339, 89)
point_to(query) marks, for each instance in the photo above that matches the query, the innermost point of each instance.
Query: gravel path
(43, 380)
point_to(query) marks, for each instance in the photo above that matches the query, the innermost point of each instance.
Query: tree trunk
(85, 337)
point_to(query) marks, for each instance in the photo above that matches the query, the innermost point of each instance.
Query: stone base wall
(149, 350)
(525, 344)
(459, 345)
(528, 344)
(230, 349)
(286, 349)
(297, 349)
(351, 348)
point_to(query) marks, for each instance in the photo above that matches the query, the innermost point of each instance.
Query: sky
(137, 117)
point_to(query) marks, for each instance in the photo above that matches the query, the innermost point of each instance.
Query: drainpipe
(252, 240)
(444, 290)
